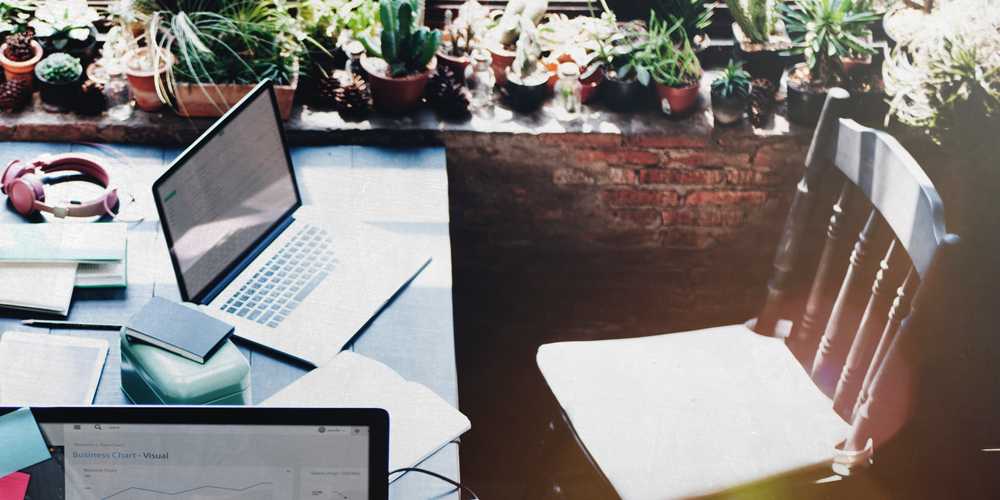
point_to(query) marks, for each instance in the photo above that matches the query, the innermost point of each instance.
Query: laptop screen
(225, 193)
(160, 461)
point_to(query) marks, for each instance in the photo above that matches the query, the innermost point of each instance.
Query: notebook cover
(191, 333)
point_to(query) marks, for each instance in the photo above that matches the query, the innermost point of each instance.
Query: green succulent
(756, 18)
(733, 82)
(663, 59)
(60, 68)
(694, 15)
(826, 30)
(405, 47)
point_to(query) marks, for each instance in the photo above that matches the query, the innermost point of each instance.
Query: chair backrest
(856, 337)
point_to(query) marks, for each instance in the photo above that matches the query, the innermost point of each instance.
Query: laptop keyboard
(285, 280)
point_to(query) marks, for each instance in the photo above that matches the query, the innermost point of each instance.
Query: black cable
(448, 480)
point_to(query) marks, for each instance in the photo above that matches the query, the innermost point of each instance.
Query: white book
(69, 241)
(104, 275)
(34, 286)
(420, 421)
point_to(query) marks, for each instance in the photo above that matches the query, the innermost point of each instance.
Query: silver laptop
(293, 278)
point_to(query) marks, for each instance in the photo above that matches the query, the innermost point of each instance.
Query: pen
(43, 323)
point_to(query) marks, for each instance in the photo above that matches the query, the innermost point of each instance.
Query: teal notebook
(94, 243)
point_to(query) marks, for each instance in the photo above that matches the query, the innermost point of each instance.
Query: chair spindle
(899, 311)
(846, 314)
(873, 322)
(805, 334)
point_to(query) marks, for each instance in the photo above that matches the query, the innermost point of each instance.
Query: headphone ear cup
(24, 192)
(14, 170)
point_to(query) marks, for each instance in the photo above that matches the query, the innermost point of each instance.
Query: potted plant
(730, 94)
(828, 33)
(501, 41)
(527, 80)
(621, 89)
(59, 81)
(219, 56)
(144, 66)
(67, 26)
(14, 16)
(672, 66)
(576, 40)
(19, 55)
(400, 68)
(460, 36)
(694, 17)
(330, 30)
(761, 37)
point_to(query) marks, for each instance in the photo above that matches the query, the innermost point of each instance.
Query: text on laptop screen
(227, 195)
(218, 462)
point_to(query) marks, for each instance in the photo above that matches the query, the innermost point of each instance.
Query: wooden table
(404, 190)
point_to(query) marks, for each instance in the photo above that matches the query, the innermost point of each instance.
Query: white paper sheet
(40, 369)
(46, 287)
(420, 422)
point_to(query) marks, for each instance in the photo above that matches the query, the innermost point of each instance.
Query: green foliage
(60, 68)
(328, 24)
(827, 30)
(61, 21)
(406, 47)
(14, 15)
(756, 18)
(663, 59)
(693, 15)
(733, 82)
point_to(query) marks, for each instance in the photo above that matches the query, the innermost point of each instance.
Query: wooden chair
(703, 412)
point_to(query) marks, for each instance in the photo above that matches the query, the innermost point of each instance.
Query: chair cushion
(691, 413)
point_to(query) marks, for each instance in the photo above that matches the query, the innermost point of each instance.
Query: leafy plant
(757, 18)
(465, 30)
(526, 68)
(15, 14)
(405, 47)
(733, 82)
(60, 68)
(693, 15)
(664, 60)
(508, 28)
(827, 30)
(61, 21)
(328, 24)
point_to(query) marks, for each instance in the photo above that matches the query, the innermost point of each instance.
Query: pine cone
(91, 98)
(14, 95)
(762, 101)
(19, 47)
(447, 95)
(352, 97)
(326, 92)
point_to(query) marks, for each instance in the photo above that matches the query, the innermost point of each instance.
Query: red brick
(622, 176)
(637, 198)
(571, 176)
(740, 177)
(681, 176)
(618, 157)
(726, 198)
(668, 141)
(704, 217)
(782, 155)
(688, 238)
(708, 158)
(648, 218)
(583, 140)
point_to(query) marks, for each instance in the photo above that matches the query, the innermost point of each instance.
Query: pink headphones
(25, 186)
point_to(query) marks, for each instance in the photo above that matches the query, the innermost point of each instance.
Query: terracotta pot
(143, 81)
(212, 101)
(395, 95)
(677, 100)
(502, 59)
(21, 70)
(456, 64)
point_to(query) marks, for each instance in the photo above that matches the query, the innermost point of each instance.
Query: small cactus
(19, 47)
(59, 68)
(406, 46)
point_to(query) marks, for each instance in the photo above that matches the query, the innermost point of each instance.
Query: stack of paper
(420, 422)
(43, 369)
(38, 287)
(96, 253)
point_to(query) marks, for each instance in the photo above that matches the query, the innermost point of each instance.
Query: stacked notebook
(40, 264)
(182, 330)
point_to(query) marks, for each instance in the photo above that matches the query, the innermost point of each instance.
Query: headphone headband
(21, 182)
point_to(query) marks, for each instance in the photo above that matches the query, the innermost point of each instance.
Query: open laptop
(218, 453)
(294, 279)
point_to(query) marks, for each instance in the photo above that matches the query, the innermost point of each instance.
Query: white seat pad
(691, 413)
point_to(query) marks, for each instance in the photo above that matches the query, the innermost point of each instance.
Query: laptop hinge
(246, 261)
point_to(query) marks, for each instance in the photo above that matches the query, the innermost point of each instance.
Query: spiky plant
(733, 82)
(664, 60)
(828, 30)
(405, 47)
(756, 18)
(693, 15)
(19, 47)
